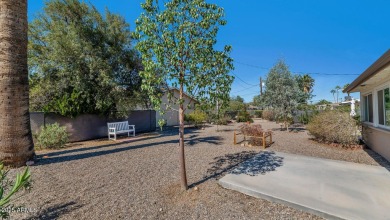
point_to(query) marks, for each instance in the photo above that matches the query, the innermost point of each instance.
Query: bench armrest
(133, 126)
(111, 129)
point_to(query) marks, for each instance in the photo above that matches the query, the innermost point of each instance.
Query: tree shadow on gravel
(78, 154)
(56, 211)
(247, 162)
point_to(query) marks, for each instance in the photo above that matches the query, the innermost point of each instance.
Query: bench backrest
(119, 126)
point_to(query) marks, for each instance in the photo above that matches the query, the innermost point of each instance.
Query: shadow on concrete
(56, 211)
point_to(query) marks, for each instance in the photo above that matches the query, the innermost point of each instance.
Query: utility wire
(242, 80)
(297, 72)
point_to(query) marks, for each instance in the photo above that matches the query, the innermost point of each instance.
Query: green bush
(196, 117)
(52, 136)
(258, 113)
(269, 115)
(306, 117)
(9, 188)
(244, 116)
(334, 127)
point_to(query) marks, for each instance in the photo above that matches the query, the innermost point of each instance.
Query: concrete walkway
(328, 188)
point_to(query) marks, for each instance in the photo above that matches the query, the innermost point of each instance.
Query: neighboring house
(171, 115)
(374, 87)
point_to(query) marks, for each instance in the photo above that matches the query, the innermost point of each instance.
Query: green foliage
(196, 117)
(334, 127)
(52, 136)
(9, 188)
(81, 61)
(269, 115)
(236, 104)
(282, 92)
(323, 102)
(305, 84)
(307, 116)
(177, 42)
(244, 116)
(258, 113)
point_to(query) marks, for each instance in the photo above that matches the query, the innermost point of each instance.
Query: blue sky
(324, 36)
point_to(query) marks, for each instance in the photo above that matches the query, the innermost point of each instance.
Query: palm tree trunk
(16, 145)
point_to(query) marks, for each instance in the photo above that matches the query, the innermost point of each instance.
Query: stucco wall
(378, 140)
(89, 126)
(172, 116)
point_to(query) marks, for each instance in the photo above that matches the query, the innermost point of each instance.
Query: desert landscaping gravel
(138, 178)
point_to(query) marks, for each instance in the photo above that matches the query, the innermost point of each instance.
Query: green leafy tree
(282, 92)
(177, 43)
(236, 103)
(81, 61)
(323, 102)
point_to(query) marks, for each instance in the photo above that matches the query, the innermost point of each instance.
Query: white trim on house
(374, 93)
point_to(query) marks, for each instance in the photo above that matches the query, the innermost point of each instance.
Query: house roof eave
(376, 67)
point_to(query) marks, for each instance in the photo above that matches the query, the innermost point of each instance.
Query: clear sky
(322, 36)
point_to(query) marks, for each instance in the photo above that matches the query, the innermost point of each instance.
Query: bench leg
(133, 133)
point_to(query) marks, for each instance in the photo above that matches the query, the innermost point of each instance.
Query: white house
(374, 87)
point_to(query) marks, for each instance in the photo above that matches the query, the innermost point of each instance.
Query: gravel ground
(137, 178)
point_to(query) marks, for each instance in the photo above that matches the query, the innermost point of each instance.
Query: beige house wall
(378, 140)
(376, 136)
(171, 115)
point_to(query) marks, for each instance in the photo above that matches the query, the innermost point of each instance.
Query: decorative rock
(29, 163)
(196, 188)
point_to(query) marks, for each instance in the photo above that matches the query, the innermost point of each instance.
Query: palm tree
(337, 88)
(16, 145)
(307, 83)
(333, 92)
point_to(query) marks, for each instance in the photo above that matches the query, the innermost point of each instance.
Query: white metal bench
(115, 128)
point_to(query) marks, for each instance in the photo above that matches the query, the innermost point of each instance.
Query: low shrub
(268, 115)
(52, 136)
(307, 116)
(196, 117)
(244, 116)
(334, 127)
(258, 113)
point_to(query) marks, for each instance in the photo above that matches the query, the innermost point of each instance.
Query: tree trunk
(16, 145)
(183, 174)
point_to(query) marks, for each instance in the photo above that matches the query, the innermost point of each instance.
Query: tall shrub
(334, 127)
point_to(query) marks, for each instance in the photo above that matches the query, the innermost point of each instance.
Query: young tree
(81, 61)
(16, 145)
(177, 43)
(282, 92)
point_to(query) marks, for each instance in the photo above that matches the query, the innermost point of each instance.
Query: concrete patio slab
(328, 188)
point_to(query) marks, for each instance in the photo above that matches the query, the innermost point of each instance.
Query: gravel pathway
(137, 178)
